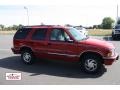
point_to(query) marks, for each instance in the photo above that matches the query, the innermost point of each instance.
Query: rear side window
(39, 34)
(22, 33)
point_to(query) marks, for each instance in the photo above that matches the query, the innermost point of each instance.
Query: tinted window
(39, 34)
(22, 33)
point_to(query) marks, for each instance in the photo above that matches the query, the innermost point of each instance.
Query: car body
(116, 32)
(62, 43)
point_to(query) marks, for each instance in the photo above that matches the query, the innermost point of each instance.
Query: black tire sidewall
(114, 36)
(31, 54)
(97, 59)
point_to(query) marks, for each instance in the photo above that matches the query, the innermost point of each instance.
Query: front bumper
(117, 35)
(110, 60)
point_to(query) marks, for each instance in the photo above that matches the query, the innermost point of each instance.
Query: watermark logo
(13, 76)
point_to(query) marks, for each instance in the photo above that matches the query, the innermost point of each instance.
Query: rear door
(20, 37)
(38, 42)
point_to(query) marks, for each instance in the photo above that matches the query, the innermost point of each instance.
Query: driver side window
(59, 35)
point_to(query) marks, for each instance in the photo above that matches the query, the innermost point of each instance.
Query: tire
(113, 36)
(91, 64)
(27, 57)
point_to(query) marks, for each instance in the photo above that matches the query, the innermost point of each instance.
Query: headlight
(111, 53)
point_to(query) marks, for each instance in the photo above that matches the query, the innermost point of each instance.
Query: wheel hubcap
(90, 64)
(26, 57)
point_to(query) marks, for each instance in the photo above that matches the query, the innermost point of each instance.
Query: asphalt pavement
(46, 72)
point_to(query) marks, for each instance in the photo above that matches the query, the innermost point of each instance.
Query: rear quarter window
(22, 33)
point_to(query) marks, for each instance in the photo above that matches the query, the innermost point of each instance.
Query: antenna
(27, 14)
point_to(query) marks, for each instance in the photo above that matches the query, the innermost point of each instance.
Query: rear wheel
(91, 64)
(27, 57)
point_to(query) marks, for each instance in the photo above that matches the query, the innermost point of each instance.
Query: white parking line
(5, 49)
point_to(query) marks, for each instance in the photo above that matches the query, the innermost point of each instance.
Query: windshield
(77, 34)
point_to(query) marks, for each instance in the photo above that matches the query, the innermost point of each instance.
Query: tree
(14, 27)
(97, 26)
(20, 25)
(2, 26)
(9, 28)
(107, 23)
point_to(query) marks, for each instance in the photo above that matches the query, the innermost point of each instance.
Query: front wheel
(91, 64)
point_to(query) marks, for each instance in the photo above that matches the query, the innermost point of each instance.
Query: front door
(59, 48)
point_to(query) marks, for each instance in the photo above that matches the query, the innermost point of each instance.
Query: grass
(91, 32)
(100, 32)
(7, 32)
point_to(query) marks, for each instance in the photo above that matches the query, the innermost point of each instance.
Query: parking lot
(49, 72)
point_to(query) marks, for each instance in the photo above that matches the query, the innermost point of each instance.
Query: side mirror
(70, 41)
(67, 39)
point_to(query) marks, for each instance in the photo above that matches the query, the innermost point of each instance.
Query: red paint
(67, 51)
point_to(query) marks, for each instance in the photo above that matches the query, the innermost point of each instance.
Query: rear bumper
(110, 60)
(15, 51)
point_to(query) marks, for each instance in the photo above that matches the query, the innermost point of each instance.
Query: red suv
(62, 43)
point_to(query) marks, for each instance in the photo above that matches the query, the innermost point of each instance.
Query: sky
(57, 12)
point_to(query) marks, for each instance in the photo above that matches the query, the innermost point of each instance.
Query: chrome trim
(63, 54)
(116, 33)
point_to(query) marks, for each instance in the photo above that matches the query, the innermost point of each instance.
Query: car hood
(97, 43)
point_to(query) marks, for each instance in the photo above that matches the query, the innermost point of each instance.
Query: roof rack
(40, 25)
(30, 26)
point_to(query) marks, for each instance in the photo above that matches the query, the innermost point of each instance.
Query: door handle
(49, 44)
(31, 43)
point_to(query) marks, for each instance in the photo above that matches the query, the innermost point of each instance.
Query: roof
(44, 26)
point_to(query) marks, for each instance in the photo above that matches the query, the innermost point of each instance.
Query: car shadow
(46, 67)
(109, 38)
